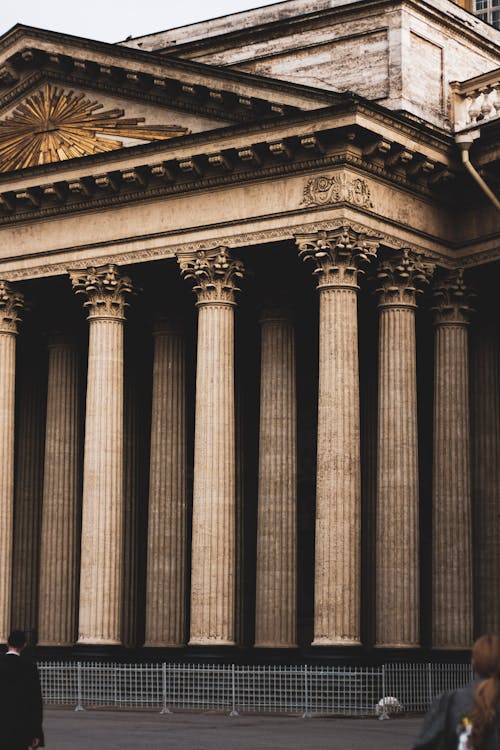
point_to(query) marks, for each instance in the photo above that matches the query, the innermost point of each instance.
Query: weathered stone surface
(11, 303)
(338, 257)
(486, 473)
(452, 604)
(216, 278)
(276, 573)
(397, 576)
(105, 290)
(59, 548)
(166, 571)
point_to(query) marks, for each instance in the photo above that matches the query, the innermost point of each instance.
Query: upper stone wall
(401, 54)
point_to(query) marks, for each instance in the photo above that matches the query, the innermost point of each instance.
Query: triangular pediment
(63, 98)
(54, 121)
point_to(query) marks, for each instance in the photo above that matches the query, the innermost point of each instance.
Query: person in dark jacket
(20, 698)
(469, 718)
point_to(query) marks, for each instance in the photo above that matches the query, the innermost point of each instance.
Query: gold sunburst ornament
(53, 125)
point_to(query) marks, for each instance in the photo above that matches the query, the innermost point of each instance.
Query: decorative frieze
(327, 190)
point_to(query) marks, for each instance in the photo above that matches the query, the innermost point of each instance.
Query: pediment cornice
(24, 50)
(338, 136)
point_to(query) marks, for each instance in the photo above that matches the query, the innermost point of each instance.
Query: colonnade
(81, 593)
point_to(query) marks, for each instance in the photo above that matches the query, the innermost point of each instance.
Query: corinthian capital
(215, 275)
(338, 255)
(399, 278)
(11, 304)
(452, 300)
(106, 290)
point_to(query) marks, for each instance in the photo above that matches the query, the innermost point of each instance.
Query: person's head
(486, 664)
(486, 656)
(17, 639)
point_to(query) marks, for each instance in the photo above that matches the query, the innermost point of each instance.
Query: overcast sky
(114, 20)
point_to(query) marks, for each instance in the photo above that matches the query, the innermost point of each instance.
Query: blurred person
(469, 718)
(21, 707)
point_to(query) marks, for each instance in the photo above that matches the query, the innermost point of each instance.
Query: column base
(56, 644)
(269, 644)
(439, 647)
(89, 641)
(324, 641)
(163, 644)
(396, 645)
(210, 642)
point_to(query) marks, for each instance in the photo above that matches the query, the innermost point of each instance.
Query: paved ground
(106, 730)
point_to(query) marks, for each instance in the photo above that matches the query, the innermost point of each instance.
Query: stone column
(452, 607)
(166, 572)
(102, 504)
(398, 595)
(276, 575)
(133, 488)
(61, 497)
(28, 485)
(215, 277)
(486, 474)
(337, 256)
(11, 303)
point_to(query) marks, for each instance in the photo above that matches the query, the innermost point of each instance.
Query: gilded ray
(54, 125)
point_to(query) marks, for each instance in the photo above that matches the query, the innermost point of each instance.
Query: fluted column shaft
(10, 304)
(30, 430)
(276, 579)
(397, 575)
(338, 483)
(166, 572)
(452, 607)
(102, 503)
(60, 506)
(214, 492)
(486, 457)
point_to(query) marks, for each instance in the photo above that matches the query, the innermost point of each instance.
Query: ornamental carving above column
(105, 288)
(452, 300)
(11, 304)
(215, 274)
(338, 255)
(399, 278)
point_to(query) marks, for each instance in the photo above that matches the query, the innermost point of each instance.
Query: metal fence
(303, 690)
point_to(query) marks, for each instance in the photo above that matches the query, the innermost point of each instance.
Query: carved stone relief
(324, 190)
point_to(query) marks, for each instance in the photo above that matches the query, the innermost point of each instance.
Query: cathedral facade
(249, 336)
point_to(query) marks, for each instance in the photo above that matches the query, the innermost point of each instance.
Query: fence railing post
(233, 713)
(429, 686)
(79, 706)
(165, 709)
(384, 714)
(307, 713)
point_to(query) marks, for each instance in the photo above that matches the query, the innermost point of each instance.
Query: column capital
(11, 304)
(338, 255)
(399, 278)
(452, 299)
(106, 289)
(215, 274)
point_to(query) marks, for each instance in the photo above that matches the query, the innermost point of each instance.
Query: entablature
(351, 133)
